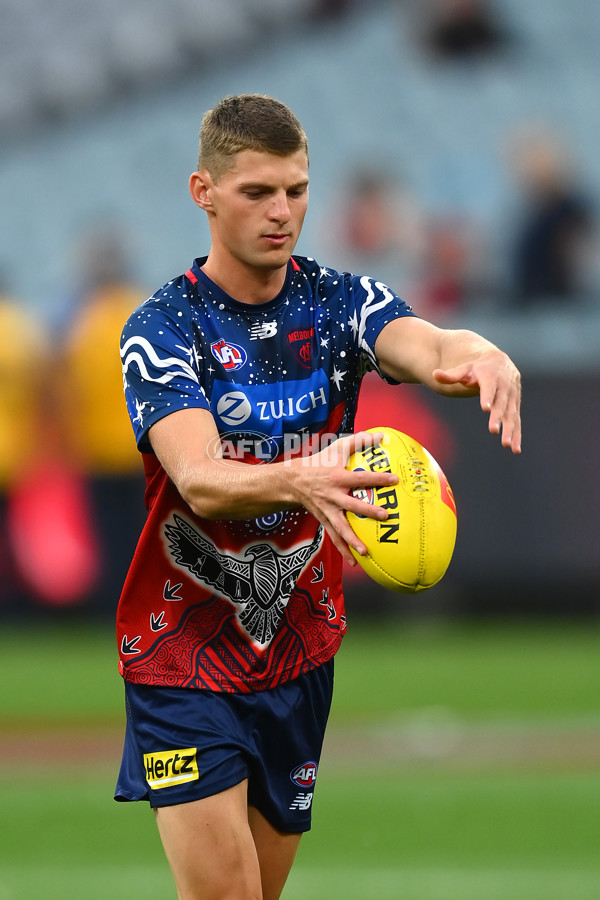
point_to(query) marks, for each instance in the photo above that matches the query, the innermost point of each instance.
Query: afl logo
(305, 775)
(231, 356)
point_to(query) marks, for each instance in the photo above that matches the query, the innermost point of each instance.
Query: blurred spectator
(553, 254)
(23, 363)
(325, 10)
(453, 270)
(96, 428)
(436, 263)
(461, 29)
(378, 229)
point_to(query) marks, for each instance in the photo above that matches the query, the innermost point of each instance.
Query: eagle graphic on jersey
(259, 580)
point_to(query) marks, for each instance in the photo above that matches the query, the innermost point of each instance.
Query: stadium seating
(361, 86)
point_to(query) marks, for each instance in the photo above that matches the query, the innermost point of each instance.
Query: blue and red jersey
(242, 605)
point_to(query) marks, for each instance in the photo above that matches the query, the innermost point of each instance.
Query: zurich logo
(231, 356)
(234, 408)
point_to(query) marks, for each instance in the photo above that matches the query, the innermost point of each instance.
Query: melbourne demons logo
(231, 356)
(300, 341)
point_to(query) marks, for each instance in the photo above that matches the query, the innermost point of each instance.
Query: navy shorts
(183, 744)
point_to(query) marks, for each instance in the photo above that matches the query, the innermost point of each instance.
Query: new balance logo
(262, 330)
(302, 802)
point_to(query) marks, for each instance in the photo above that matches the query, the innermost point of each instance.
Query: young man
(232, 610)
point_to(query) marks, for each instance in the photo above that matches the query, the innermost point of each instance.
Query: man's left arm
(456, 363)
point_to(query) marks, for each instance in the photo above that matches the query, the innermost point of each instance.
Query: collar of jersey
(205, 283)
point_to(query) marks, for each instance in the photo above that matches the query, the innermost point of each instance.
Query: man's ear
(201, 189)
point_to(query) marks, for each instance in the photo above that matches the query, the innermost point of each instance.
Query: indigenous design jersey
(242, 605)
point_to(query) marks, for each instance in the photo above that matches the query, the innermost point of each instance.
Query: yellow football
(411, 550)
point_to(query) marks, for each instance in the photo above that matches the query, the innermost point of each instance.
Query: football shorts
(184, 744)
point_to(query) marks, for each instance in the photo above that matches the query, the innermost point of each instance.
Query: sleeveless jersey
(242, 605)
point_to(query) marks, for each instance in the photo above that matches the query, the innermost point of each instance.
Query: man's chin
(273, 259)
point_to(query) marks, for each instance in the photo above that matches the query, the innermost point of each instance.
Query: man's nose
(280, 208)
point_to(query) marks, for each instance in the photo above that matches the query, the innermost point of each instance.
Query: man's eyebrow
(265, 186)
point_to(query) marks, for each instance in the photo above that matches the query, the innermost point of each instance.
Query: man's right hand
(324, 487)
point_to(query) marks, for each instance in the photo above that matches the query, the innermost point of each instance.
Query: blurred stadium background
(454, 154)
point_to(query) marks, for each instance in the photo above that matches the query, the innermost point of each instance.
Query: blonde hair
(247, 122)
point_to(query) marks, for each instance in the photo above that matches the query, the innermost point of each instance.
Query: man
(232, 609)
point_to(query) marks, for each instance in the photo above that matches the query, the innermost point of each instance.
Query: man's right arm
(186, 443)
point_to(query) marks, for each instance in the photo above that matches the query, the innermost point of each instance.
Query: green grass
(420, 837)
(60, 676)
(477, 670)
(437, 883)
(409, 830)
(461, 820)
(453, 837)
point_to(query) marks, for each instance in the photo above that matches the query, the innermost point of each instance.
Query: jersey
(242, 605)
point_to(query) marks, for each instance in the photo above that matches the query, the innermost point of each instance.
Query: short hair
(247, 122)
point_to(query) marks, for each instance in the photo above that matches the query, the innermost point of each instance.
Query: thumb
(462, 374)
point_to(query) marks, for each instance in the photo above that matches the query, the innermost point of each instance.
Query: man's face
(258, 208)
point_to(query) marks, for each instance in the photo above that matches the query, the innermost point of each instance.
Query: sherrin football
(411, 549)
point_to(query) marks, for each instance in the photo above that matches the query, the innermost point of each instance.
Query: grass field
(462, 763)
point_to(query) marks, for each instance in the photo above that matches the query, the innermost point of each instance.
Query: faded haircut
(247, 122)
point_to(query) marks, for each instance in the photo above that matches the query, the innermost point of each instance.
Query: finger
(337, 526)
(344, 537)
(339, 451)
(511, 429)
(516, 441)
(364, 508)
(486, 399)
(344, 548)
(357, 478)
(511, 438)
(492, 397)
(508, 422)
(361, 440)
(497, 410)
(505, 415)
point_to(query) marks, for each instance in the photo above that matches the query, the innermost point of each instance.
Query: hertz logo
(168, 767)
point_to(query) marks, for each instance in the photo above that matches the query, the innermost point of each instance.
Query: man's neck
(245, 283)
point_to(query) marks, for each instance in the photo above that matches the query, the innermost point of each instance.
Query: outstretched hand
(498, 382)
